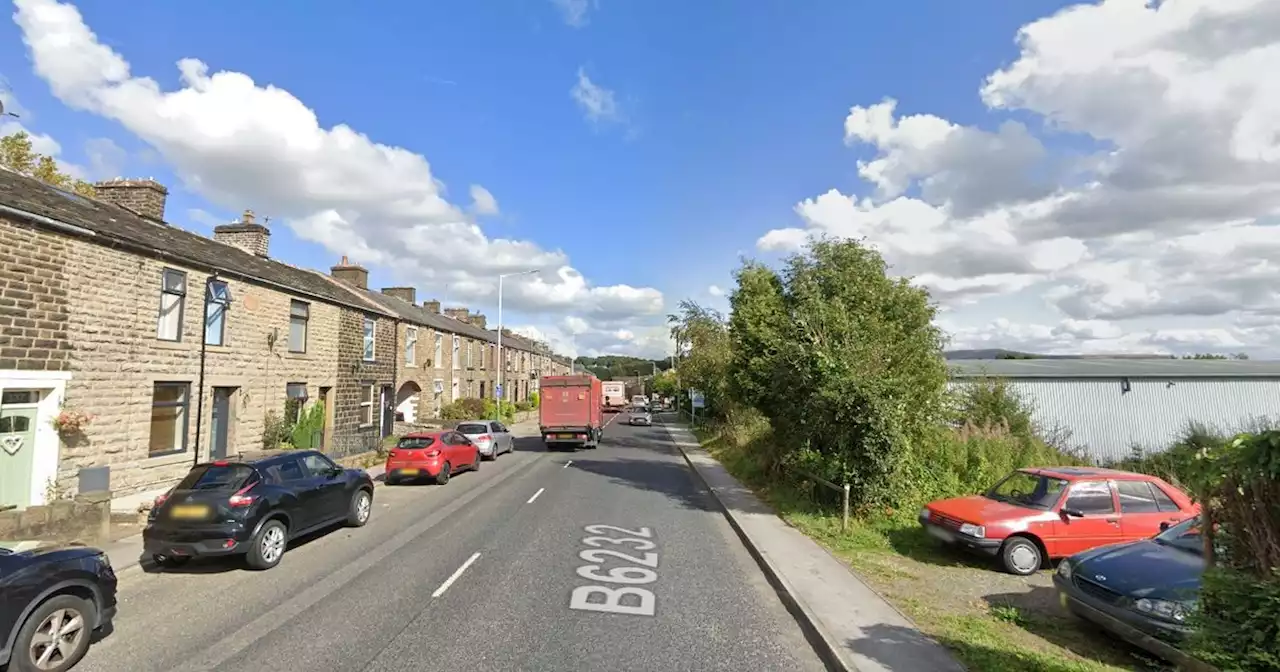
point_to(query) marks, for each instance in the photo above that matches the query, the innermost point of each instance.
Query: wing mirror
(1164, 525)
(1072, 513)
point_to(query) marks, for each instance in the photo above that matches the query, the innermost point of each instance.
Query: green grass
(914, 573)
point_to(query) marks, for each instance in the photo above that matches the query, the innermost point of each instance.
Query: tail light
(484, 438)
(433, 453)
(242, 498)
(160, 500)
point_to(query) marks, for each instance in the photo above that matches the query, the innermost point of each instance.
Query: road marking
(611, 600)
(535, 495)
(454, 577)
(610, 420)
(566, 464)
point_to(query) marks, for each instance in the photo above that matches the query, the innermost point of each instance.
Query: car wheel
(361, 507)
(55, 637)
(170, 560)
(268, 545)
(1021, 556)
(392, 480)
(443, 476)
(475, 466)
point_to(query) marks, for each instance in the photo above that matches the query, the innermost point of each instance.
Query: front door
(388, 410)
(17, 454)
(220, 426)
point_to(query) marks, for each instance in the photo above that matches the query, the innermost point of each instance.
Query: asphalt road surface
(510, 568)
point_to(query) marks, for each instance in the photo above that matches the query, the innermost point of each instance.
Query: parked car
(640, 416)
(1037, 514)
(435, 455)
(252, 508)
(53, 600)
(1142, 591)
(491, 437)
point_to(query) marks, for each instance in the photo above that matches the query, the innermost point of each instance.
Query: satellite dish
(3, 113)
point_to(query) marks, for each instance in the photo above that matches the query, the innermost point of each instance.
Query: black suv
(254, 507)
(53, 602)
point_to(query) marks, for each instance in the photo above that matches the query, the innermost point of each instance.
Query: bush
(1177, 465)
(307, 432)
(524, 406)
(464, 409)
(275, 431)
(504, 410)
(534, 400)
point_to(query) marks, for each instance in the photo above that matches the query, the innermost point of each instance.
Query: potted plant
(70, 421)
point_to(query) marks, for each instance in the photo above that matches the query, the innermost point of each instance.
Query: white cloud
(1158, 219)
(483, 202)
(598, 104)
(576, 336)
(574, 12)
(106, 159)
(714, 290)
(236, 142)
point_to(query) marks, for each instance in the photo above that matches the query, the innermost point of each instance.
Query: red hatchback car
(435, 455)
(1042, 513)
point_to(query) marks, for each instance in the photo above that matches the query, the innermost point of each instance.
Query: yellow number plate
(409, 472)
(190, 511)
(564, 436)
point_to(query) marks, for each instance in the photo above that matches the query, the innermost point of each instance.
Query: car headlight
(1064, 569)
(924, 513)
(1170, 611)
(976, 531)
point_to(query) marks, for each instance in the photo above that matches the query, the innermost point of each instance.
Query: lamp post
(213, 295)
(498, 392)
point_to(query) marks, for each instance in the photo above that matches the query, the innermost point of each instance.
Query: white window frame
(457, 360)
(438, 361)
(411, 346)
(369, 337)
(471, 351)
(184, 403)
(178, 288)
(216, 303)
(299, 313)
(366, 407)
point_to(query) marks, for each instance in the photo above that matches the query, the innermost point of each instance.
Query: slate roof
(1115, 368)
(419, 315)
(114, 226)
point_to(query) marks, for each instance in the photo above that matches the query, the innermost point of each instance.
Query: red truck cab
(570, 411)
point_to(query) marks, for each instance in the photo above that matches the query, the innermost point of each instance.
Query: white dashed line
(449, 581)
(535, 495)
(566, 464)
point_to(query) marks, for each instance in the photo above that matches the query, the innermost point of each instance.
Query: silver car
(640, 416)
(490, 436)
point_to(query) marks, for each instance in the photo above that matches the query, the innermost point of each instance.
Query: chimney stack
(431, 306)
(144, 198)
(408, 294)
(459, 314)
(352, 274)
(245, 234)
(478, 320)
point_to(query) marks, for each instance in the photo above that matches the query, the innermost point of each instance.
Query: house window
(366, 407)
(169, 418)
(439, 354)
(411, 346)
(482, 356)
(457, 361)
(297, 400)
(471, 350)
(493, 359)
(299, 315)
(370, 326)
(173, 297)
(216, 299)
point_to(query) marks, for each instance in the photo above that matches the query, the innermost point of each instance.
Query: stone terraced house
(101, 309)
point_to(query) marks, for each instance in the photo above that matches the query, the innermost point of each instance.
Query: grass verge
(991, 621)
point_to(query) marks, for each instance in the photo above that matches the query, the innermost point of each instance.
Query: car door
(288, 474)
(1140, 515)
(501, 437)
(330, 484)
(1098, 523)
(464, 452)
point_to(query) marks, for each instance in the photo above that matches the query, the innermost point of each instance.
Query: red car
(435, 455)
(1042, 513)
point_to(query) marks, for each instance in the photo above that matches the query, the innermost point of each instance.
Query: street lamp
(217, 297)
(502, 363)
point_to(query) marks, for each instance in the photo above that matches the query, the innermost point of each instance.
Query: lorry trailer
(571, 412)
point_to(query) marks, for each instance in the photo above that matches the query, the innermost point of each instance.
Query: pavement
(852, 627)
(520, 566)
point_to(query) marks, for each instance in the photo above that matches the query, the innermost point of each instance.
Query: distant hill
(617, 367)
(997, 353)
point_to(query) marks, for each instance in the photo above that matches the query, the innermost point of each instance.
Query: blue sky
(729, 113)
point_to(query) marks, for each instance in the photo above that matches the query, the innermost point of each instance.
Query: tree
(17, 155)
(843, 360)
(704, 352)
(666, 385)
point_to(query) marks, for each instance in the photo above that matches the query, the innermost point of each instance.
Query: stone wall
(86, 519)
(355, 375)
(34, 309)
(118, 359)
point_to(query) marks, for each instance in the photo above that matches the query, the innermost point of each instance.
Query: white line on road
(566, 464)
(449, 581)
(611, 419)
(535, 495)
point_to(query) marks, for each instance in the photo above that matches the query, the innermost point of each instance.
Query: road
(480, 574)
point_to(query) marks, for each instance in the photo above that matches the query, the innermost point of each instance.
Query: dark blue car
(1143, 591)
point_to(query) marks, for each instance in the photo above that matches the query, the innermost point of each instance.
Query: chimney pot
(145, 197)
(245, 234)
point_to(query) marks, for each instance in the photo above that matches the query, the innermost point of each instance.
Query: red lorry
(570, 411)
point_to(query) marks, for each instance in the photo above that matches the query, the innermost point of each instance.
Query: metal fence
(353, 444)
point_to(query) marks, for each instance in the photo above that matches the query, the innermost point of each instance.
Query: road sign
(696, 398)
(497, 390)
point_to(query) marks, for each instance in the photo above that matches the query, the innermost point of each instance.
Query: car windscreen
(473, 428)
(415, 442)
(1026, 489)
(1184, 536)
(216, 477)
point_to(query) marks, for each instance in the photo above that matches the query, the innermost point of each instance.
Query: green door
(17, 454)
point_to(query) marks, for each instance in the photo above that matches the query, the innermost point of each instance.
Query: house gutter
(161, 254)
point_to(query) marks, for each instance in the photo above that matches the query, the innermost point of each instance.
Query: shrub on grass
(464, 409)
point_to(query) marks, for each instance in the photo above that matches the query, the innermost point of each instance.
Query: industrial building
(1110, 406)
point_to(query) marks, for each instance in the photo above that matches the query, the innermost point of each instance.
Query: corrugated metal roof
(1115, 368)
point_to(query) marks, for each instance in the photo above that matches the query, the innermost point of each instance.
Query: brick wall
(114, 304)
(354, 375)
(34, 310)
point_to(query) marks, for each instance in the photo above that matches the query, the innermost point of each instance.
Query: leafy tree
(666, 385)
(17, 155)
(704, 353)
(844, 361)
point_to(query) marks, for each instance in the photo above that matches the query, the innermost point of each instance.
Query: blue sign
(497, 390)
(696, 398)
